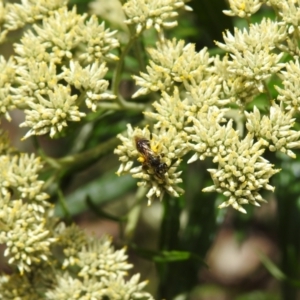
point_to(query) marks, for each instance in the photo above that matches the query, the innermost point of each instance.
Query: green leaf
(271, 267)
(100, 213)
(276, 272)
(102, 190)
(167, 256)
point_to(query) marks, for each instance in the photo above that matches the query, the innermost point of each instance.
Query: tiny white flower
(156, 13)
(243, 8)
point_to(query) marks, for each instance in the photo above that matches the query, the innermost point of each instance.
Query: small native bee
(149, 158)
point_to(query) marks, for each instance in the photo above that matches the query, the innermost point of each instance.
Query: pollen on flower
(243, 8)
(159, 159)
(145, 14)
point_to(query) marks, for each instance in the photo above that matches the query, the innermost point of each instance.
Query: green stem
(137, 50)
(118, 73)
(267, 91)
(288, 221)
(81, 98)
(89, 155)
(248, 20)
(63, 204)
(168, 241)
(80, 159)
(134, 214)
(110, 105)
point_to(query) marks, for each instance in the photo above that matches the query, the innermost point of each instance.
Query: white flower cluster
(254, 61)
(243, 9)
(25, 289)
(101, 269)
(29, 11)
(65, 48)
(158, 160)
(275, 129)
(208, 137)
(290, 94)
(172, 62)
(88, 79)
(7, 77)
(145, 14)
(198, 96)
(92, 268)
(69, 287)
(289, 10)
(235, 88)
(14, 15)
(24, 209)
(242, 173)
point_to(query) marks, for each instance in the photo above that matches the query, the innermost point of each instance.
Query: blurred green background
(187, 248)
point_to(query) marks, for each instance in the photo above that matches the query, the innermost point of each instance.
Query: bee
(149, 158)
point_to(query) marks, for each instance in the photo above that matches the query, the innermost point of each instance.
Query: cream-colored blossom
(7, 102)
(70, 287)
(3, 13)
(98, 42)
(158, 189)
(290, 94)
(98, 258)
(71, 239)
(234, 87)
(242, 173)
(22, 214)
(32, 48)
(52, 114)
(275, 129)
(49, 105)
(4, 176)
(277, 4)
(145, 14)
(89, 80)
(30, 240)
(207, 92)
(7, 68)
(268, 32)
(27, 240)
(67, 287)
(61, 32)
(156, 79)
(16, 286)
(34, 79)
(19, 176)
(29, 11)
(101, 268)
(127, 150)
(23, 177)
(168, 145)
(119, 289)
(170, 111)
(112, 287)
(289, 10)
(243, 8)
(172, 62)
(7, 77)
(76, 75)
(250, 59)
(207, 137)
